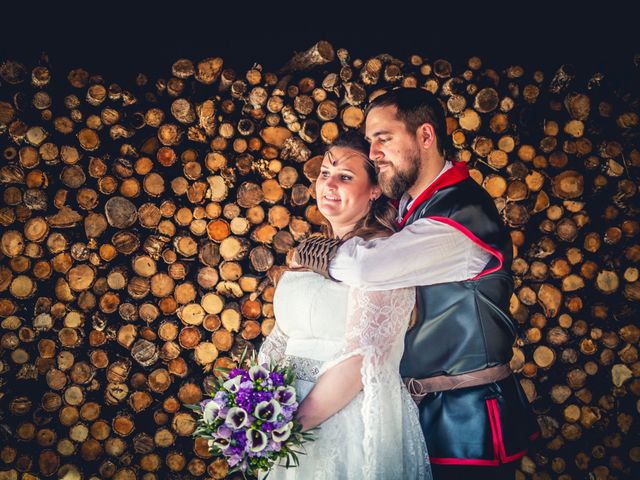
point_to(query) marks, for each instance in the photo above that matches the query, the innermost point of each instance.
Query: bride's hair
(380, 219)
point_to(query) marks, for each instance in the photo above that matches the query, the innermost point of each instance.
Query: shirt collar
(406, 201)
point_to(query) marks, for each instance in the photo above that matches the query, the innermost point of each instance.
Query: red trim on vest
(504, 458)
(454, 175)
(499, 453)
(496, 253)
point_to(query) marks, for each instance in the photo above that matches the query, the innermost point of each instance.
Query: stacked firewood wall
(138, 220)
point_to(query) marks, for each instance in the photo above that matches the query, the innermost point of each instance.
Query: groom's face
(394, 150)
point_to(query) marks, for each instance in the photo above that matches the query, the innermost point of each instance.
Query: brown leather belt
(421, 387)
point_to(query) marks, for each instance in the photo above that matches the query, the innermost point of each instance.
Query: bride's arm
(335, 389)
(375, 320)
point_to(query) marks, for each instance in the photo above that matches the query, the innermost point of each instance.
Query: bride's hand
(294, 264)
(292, 256)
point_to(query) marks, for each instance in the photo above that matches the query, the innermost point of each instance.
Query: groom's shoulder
(465, 198)
(467, 191)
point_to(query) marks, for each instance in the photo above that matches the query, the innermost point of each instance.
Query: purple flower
(234, 459)
(285, 395)
(276, 378)
(288, 411)
(246, 385)
(275, 446)
(243, 399)
(258, 397)
(267, 426)
(221, 398)
(240, 439)
(223, 432)
(239, 372)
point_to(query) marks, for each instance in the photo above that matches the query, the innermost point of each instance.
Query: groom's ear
(426, 135)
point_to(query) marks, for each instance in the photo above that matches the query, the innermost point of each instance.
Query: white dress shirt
(423, 253)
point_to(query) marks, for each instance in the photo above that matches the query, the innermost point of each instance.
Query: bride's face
(344, 188)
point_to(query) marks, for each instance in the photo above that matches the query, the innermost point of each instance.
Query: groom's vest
(463, 327)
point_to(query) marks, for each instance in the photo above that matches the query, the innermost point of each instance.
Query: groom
(453, 246)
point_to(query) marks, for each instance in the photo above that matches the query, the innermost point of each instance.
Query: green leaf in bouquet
(289, 376)
(243, 356)
(293, 454)
(309, 435)
(224, 370)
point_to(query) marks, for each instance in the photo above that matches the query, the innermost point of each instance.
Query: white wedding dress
(320, 323)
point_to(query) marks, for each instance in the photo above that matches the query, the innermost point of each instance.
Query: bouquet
(250, 418)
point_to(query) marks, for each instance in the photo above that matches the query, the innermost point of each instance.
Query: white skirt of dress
(337, 452)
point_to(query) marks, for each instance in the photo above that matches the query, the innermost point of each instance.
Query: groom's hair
(415, 106)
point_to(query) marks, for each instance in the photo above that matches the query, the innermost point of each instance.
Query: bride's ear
(375, 193)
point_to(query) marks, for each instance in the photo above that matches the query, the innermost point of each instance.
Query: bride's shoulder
(290, 275)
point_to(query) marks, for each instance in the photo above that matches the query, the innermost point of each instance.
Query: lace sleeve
(376, 324)
(376, 321)
(273, 347)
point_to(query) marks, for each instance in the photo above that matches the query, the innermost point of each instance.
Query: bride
(345, 344)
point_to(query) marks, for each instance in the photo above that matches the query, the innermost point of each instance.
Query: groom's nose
(374, 152)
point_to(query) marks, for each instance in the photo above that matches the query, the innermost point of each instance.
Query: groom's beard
(395, 182)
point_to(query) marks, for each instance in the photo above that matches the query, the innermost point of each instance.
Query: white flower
(211, 411)
(282, 433)
(256, 440)
(221, 443)
(237, 418)
(233, 384)
(267, 411)
(257, 372)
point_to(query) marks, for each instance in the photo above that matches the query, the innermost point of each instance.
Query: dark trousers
(460, 472)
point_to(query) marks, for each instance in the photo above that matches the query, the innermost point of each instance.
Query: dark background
(118, 39)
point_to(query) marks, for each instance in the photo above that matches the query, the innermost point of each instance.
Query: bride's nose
(331, 183)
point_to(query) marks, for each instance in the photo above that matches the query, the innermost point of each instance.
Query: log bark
(319, 54)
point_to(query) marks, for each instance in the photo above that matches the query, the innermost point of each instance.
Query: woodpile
(139, 220)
